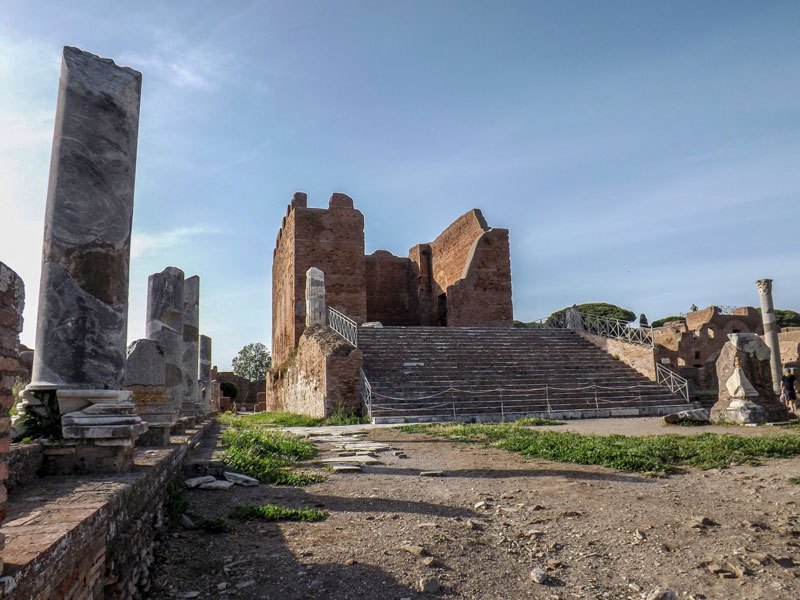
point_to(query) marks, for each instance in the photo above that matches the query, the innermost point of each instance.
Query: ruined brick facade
(462, 278)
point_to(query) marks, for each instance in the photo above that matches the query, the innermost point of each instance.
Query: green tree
(785, 318)
(252, 362)
(665, 320)
(601, 309)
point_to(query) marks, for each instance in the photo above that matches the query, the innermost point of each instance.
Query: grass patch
(653, 455)
(273, 512)
(794, 480)
(536, 422)
(284, 419)
(175, 504)
(268, 456)
(213, 525)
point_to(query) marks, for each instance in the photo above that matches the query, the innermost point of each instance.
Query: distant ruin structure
(462, 278)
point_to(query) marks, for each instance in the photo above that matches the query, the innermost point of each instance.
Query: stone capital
(764, 286)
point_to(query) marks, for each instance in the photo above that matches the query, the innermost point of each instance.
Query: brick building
(462, 278)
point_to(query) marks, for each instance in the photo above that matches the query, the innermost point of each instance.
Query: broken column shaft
(191, 332)
(770, 330)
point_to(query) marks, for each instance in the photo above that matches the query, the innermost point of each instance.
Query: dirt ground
(492, 518)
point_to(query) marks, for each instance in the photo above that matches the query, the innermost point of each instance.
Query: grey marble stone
(165, 326)
(316, 313)
(190, 362)
(205, 359)
(83, 296)
(146, 364)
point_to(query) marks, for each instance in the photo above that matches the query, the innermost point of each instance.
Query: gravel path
(479, 530)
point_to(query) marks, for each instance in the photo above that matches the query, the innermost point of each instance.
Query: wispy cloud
(145, 243)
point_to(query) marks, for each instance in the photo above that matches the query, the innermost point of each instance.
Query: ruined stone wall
(330, 239)
(483, 296)
(701, 336)
(789, 340)
(391, 289)
(635, 356)
(247, 390)
(12, 302)
(450, 252)
(320, 379)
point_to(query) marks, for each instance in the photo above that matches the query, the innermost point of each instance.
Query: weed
(175, 504)
(213, 525)
(652, 455)
(273, 512)
(284, 419)
(794, 480)
(268, 455)
(536, 422)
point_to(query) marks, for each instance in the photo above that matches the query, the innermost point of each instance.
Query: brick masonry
(12, 302)
(320, 379)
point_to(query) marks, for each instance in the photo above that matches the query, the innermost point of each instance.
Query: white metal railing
(366, 392)
(671, 380)
(343, 325)
(602, 326)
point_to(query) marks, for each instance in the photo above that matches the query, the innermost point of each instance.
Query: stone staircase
(422, 374)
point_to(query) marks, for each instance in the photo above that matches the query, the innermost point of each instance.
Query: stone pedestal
(165, 326)
(770, 330)
(145, 376)
(83, 295)
(100, 428)
(206, 390)
(190, 362)
(745, 383)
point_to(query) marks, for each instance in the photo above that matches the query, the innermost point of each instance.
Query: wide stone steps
(486, 374)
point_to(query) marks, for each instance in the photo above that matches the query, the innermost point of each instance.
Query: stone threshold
(59, 530)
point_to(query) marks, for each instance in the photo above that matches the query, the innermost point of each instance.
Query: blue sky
(643, 153)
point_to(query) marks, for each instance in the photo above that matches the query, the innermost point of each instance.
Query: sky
(644, 153)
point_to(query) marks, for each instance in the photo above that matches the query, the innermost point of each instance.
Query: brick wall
(12, 302)
(391, 289)
(637, 357)
(247, 391)
(321, 379)
(330, 239)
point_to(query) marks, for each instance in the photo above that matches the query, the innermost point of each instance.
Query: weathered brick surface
(247, 391)
(89, 537)
(789, 340)
(12, 302)
(330, 239)
(637, 357)
(24, 464)
(391, 289)
(320, 379)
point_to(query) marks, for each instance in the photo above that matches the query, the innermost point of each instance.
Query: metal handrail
(602, 326)
(365, 389)
(671, 380)
(343, 325)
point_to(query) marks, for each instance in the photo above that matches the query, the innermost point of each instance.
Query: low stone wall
(320, 379)
(24, 464)
(637, 357)
(92, 536)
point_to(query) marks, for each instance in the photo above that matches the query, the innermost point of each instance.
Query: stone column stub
(771, 328)
(191, 333)
(165, 326)
(205, 377)
(316, 312)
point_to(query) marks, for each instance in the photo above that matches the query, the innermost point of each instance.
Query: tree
(785, 318)
(252, 362)
(601, 309)
(665, 320)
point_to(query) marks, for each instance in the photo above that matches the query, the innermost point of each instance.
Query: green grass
(284, 419)
(268, 455)
(652, 455)
(175, 504)
(536, 422)
(794, 480)
(273, 512)
(213, 525)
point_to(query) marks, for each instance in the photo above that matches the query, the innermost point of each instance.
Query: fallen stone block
(240, 479)
(198, 481)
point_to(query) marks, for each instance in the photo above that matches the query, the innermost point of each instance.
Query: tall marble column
(770, 330)
(191, 331)
(165, 326)
(83, 296)
(205, 374)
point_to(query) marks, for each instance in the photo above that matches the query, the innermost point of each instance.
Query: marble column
(316, 313)
(165, 326)
(205, 374)
(770, 330)
(83, 295)
(191, 326)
